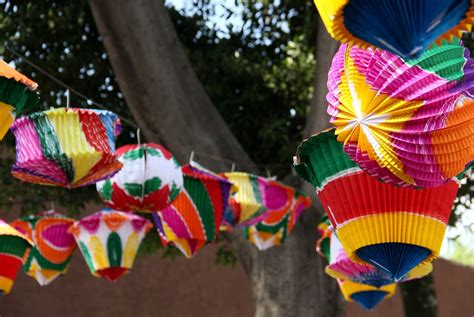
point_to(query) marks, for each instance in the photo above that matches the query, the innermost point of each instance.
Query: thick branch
(165, 96)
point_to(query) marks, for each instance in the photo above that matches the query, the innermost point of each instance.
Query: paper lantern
(280, 220)
(255, 198)
(13, 248)
(109, 241)
(66, 147)
(365, 295)
(323, 244)
(342, 267)
(404, 27)
(405, 122)
(53, 245)
(194, 217)
(150, 179)
(16, 96)
(393, 228)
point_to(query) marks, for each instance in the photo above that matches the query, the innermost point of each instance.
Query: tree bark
(419, 297)
(167, 100)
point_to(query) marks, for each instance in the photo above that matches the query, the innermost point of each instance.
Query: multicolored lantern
(404, 27)
(323, 244)
(278, 223)
(365, 295)
(66, 147)
(13, 249)
(194, 217)
(53, 245)
(342, 267)
(393, 228)
(149, 181)
(109, 241)
(405, 122)
(16, 95)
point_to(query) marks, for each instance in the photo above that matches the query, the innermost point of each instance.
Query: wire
(131, 123)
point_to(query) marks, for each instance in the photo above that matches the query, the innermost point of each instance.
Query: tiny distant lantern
(393, 228)
(53, 247)
(16, 96)
(194, 217)
(149, 181)
(13, 249)
(404, 27)
(109, 241)
(66, 147)
(280, 219)
(365, 295)
(406, 122)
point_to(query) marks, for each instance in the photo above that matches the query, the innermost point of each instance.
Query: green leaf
(134, 154)
(134, 189)
(106, 190)
(151, 185)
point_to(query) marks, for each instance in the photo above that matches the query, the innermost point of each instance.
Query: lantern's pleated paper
(53, 247)
(13, 249)
(365, 212)
(409, 123)
(365, 295)
(66, 147)
(323, 244)
(342, 267)
(194, 217)
(109, 241)
(403, 27)
(16, 96)
(283, 212)
(149, 180)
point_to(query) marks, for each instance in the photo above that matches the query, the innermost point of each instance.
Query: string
(131, 123)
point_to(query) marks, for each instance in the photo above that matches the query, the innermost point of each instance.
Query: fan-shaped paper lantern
(342, 267)
(393, 228)
(109, 241)
(404, 27)
(66, 147)
(13, 248)
(53, 245)
(16, 95)
(405, 122)
(150, 179)
(279, 221)
(365, 295)
(194, 217)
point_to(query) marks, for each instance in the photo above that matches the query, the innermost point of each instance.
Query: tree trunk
(167, 100)
(419, 297)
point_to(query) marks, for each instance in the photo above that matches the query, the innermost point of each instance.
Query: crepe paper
(365, 295)
(403, 27)
(149, 181)
(193, 218)
(255, 198)
(16, 96)
(66, 147)
(278, 223)
(342, 267)
(53, 247)
(13, 249)
(325, 231)
(368, 215)
(109, 241)
(408, 123)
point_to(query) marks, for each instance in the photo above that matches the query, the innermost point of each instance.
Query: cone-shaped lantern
(365, 295)
(66, 147)
(16, 95)
(194, 217)
(13, 248)
(392, 228)
(149, 180)
(404, 27)
(53, 245)
(109, 241)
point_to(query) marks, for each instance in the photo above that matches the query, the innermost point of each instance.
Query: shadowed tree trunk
(167, 100)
